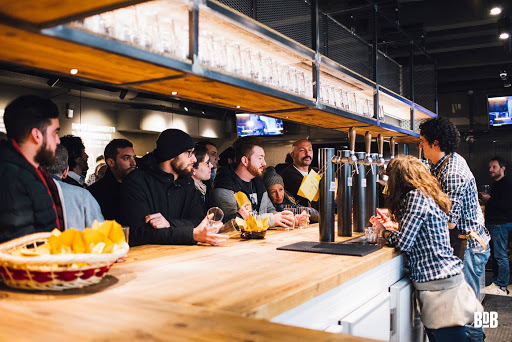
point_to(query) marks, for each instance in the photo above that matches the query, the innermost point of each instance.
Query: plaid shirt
(459, 184)
(423, 235)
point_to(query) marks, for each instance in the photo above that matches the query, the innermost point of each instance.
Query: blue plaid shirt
(458, 182)
(423, 236)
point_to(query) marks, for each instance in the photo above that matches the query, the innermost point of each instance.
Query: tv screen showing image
(500, 110)
(252, 124)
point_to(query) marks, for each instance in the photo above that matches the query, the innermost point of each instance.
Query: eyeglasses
(189, 153)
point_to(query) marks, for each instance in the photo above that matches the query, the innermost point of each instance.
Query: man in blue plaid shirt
(439, 139)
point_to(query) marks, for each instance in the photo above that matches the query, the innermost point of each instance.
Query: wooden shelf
(106, 60)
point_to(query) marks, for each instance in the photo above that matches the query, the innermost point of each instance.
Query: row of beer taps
(368, 160)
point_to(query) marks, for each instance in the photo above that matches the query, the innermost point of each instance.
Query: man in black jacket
(302, 155)
(26, 204)
(159, 201)
(120, 158)
(498, 220)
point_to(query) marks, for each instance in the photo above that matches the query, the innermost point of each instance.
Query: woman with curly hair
(415, 200)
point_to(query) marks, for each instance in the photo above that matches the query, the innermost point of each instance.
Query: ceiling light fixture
(73, 71)
(495, 10)
(238, 106)
(504, 27)
(186, 109)
(52, 82)
(504, 35)
(174, 93)
(123, 94)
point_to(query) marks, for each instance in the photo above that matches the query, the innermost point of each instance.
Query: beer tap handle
(352, 139)
(368, 142)
(380, 144)
(392, 147)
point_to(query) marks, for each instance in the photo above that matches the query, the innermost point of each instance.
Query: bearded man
(120, 158)
(29, 200)
(158, 199)
(302, 155)
(245, 175)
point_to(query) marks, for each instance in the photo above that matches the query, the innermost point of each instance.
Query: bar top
(191, 292)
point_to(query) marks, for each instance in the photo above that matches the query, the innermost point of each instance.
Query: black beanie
(171, 143)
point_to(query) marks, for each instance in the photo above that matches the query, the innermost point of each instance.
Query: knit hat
(271, 177)
(171, 143)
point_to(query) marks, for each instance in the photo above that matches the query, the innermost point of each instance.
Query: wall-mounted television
(500, 110)
(252, 124)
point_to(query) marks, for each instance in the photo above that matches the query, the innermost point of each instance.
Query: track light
(123, 94)
(504, 28)
(52, 82)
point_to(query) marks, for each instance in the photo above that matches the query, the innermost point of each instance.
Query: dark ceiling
(460, 35)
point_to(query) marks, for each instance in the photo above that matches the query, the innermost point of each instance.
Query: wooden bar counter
(203, 293)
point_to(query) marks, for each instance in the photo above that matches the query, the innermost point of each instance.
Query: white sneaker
(494, 289)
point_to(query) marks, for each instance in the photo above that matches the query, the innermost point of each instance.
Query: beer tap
(392, 147)
(351, 159)
(368, 161)
(380, 144)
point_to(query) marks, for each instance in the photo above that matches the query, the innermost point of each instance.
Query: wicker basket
(54, 271)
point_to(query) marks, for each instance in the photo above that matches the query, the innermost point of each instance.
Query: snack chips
(241, 198)
(252, 224)
(106, 237)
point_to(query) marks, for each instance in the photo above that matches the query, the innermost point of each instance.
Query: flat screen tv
(500, 110)
(252, 124)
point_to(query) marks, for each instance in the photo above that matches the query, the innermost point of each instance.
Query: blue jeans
(474, 266)
(499, 240)
(451, 334)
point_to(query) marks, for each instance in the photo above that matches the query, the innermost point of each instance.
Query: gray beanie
(171, 143)
(271, 177)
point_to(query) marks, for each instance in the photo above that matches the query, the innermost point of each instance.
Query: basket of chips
(59, 261)
(252, 228)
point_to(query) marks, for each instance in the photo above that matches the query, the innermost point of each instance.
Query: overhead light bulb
(504, 35)
(495, 10)
(73, 71)
(174, 93)
(238, 106)
(186, 109)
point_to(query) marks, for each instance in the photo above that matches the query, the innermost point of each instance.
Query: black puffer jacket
(107, 191)
(25, 204)
(149, 190)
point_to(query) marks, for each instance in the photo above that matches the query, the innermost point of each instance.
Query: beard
(44, 156)
(180, 169)
(253, 170)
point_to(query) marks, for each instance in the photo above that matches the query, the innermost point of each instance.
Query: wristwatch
(384, 233)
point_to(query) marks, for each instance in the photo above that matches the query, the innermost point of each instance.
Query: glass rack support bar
(255, 27)
(110, 45)
(395, 96)
(338, 67)
(193, 33)
(315, 36)
(399, 129)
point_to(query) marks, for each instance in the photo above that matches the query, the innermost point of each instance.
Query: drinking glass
(106, 24)
(245, 56)
(266, 69)
(338, 97)
(206, 51)
(370, 109)
(289, 209)
(371, 235)
(330, 95)
(214, 214)
(381, 112)
(168, 38)
(284, 76)
(256, 65)
(308, 86)
(352, 105)
(486, 188)
(220, 54)
(302, 217)
(275, 74)
(233, 58)
(293, 79)
(301, 83)
(147, 20)
(126, 232)
(125, 24)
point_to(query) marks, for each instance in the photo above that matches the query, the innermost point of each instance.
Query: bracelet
(384, 233)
